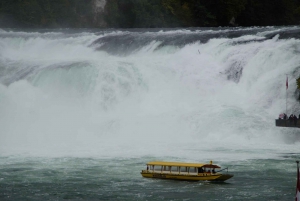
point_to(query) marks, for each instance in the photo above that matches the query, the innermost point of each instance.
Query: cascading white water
(61, 96)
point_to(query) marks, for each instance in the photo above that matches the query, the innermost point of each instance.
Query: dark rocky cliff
(146, 13)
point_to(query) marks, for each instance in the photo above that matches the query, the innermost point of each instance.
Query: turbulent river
(83, 111)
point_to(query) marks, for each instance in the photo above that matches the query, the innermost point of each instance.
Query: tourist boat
(185, 171)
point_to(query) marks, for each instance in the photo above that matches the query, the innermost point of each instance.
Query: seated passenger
(200, 170)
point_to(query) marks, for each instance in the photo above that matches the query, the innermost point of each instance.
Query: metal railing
(287, 123)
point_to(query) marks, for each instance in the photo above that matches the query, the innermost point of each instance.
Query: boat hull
(198, 177)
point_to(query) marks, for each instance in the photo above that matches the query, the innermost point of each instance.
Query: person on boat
(285, 116)
(280, 116)
(200, 170)
(213, 171)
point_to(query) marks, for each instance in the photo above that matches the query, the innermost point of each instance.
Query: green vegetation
(298, 83)
(46, 13)
(148, 13)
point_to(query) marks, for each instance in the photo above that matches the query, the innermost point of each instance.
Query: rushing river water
(83, 111)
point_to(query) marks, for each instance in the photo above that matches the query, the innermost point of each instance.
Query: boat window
(193, 170)
(183, 169)
(151, 167)
(174, 169)
(157, 167)
(167, 168)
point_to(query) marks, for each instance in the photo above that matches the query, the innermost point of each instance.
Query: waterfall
(148, 91)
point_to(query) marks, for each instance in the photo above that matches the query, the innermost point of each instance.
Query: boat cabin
(184, 171)
(181, 168)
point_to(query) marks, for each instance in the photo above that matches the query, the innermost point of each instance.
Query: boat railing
(222, 170)
(181, 173)
(287, 123)
(172, 172)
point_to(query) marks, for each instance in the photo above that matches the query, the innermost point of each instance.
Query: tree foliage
(148, 13)
(199, 13)
(46, 13)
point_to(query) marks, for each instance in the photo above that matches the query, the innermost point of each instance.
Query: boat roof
(183, 164)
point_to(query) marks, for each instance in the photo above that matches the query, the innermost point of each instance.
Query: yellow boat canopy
(182, 164)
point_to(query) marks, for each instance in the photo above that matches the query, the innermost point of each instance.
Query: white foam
(172, 102)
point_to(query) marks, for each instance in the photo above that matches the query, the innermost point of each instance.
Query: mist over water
(193, 95)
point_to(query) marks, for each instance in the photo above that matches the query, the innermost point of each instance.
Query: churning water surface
(82, 111)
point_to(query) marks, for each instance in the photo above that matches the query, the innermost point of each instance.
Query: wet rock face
(98, 10)
(99, 5)
(232, 22)
(235, 71)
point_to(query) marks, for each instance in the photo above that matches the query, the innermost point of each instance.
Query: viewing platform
(287, 123)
